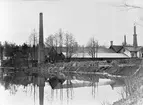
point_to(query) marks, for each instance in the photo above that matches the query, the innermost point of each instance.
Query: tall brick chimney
(41, 55)
(135, 43)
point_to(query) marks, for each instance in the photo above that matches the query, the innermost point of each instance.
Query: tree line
(60, 41)
(16, 55)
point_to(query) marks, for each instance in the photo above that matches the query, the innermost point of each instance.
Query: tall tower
(135, 44)
(41, 43)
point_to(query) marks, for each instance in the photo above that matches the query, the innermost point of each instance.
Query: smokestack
(111, 43)
(135, 44)
(41, 43)
(41, 29)
(134, 29)
(125, 42)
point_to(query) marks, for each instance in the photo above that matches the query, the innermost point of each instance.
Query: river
(22, 89)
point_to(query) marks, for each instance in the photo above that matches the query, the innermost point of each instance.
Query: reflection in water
(58, 84)
(95, 80)
(64, 89)
(117, 83)
(34, 85)
(55, 82)
(41, 84)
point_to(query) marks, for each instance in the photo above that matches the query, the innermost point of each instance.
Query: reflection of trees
(94, 81)
(12, 83)
(7, 82)
(13, 80)
(92, 78)
(8, 85)
(69, 89)
(59, 85)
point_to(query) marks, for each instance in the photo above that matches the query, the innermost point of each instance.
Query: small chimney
(125, 42)
(111, 43)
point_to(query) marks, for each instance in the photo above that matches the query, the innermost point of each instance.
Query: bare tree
(67, 38)
(50, 41)
(92, 47)
(70, 44)
(33, 38)
(33, 41)
(75, 46)
(55, 41)
(97, 46)
(60, 34)
(83, 50)
(58, 39)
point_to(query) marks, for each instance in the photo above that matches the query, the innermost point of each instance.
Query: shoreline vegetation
(114, 68)
(133, 92)
(130, 71)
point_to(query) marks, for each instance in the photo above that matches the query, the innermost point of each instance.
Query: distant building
(102, 53)
(116, 48)
(123, 51)
(132, 51)
(51, 55)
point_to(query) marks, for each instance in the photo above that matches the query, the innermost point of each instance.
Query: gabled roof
(132, 49)
(105, 50)
(116, 48)
(100, 50)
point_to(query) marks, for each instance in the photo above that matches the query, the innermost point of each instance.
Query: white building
(132, 51)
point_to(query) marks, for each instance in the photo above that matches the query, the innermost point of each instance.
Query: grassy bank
(133, 90)
(114, 68)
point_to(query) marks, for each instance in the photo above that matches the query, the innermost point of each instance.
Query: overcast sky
(84, 18)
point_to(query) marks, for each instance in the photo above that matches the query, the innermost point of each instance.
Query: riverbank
(112, 70)
(133, 93)
(130, 72)
(93, 67)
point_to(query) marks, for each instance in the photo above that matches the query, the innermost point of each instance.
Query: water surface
(23, 89)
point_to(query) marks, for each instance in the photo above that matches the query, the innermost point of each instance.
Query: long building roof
(102, 52)
(100, 55)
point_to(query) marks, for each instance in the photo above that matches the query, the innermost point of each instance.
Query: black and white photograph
(71, 52)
